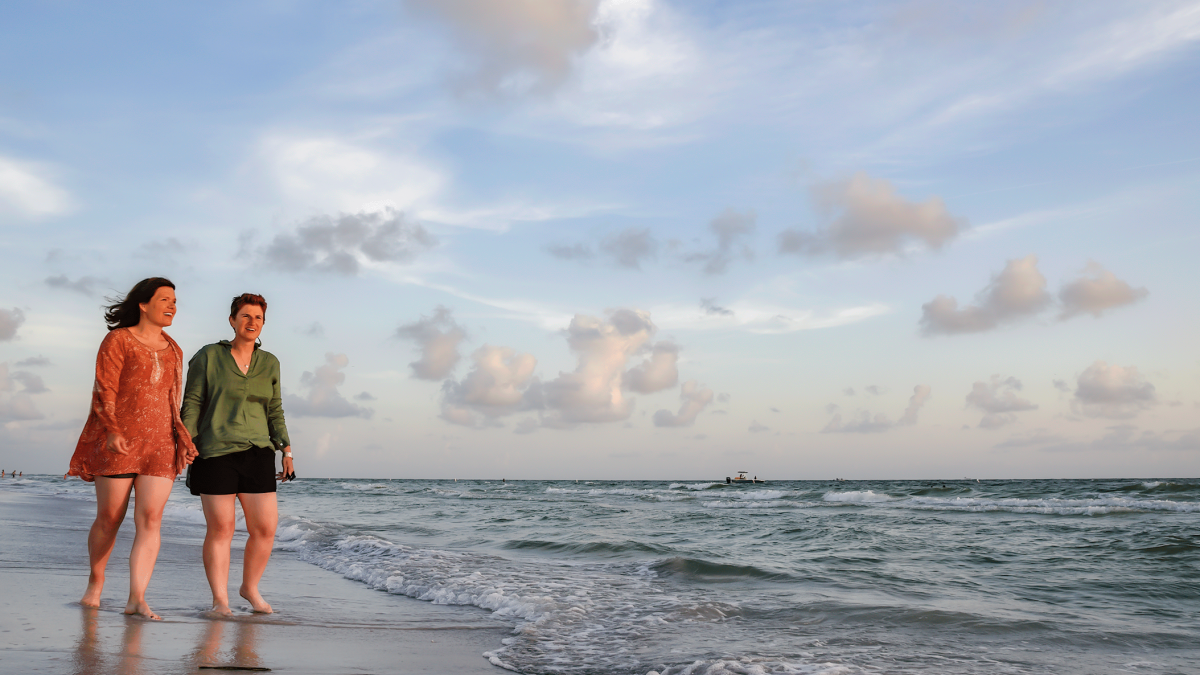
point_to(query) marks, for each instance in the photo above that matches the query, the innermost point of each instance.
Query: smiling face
(248, 322)
(160, 311)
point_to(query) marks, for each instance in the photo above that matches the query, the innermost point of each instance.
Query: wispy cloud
(27, 190)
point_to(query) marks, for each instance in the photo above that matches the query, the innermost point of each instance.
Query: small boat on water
(742, 479)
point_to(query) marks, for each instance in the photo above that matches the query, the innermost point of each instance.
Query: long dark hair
(125, 311)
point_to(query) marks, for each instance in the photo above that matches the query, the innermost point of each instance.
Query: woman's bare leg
(112, 500)
(220, 516)
(262, 516)
(149, 500)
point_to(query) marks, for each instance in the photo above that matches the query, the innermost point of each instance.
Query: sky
(626, 239)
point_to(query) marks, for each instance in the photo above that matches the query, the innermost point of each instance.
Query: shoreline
(324, 623)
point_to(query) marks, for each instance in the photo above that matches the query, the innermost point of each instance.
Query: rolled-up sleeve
(275, 422)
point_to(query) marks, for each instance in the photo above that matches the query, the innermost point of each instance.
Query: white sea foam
(749, 666)
(1150, 485)
(857, 496)
(723, 504)
(563, 612)
(1065, 507)
(693, 486)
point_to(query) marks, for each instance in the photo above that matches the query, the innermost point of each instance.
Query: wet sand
(323, 623)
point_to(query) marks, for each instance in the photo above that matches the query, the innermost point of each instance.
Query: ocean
(813, 577)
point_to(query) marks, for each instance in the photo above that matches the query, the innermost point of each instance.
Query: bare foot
(255, 600)
(140, 608)
(219, 611)
(91, 597)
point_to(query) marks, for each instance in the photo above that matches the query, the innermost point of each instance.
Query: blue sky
(626, 238)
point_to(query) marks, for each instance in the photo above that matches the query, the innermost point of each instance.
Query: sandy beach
(324, 623)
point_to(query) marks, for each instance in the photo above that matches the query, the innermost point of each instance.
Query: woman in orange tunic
(134, 440)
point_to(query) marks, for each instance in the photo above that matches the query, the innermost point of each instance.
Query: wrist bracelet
(287, 454)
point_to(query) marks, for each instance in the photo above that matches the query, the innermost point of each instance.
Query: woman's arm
(195, 393)
(110, 360)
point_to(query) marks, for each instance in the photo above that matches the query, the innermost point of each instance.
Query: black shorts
(247, 472)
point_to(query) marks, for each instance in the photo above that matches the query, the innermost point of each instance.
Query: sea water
(704, 578)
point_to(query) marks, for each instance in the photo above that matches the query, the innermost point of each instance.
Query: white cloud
(519, 46)
(755, 316)
(10, 321)
(25, 189)
(494, 387)
(865, 423)
(998, 400)
(1019, 290)
(870, 218)
(633, 84)
(323, 399)
(346, 244)
(1116, 392)
(438, 338)
(1095, 292)
(695, 398)
(331, 174)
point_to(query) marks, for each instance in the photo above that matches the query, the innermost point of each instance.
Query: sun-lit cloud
(1112, 391)
(695, 397)
(658, 372)
(27, 190)
(1097, 291)
(495, 386)
(519, 46)
(868, 217)
(347, 243)
(863, 422)
(438, 337)
(1017, 291)
(594, 391)
(998, 399)
(323, 398)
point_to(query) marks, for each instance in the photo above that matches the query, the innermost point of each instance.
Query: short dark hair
(247, 299)
(124, 312)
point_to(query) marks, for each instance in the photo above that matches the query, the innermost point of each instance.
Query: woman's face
(160, 311)
(248, 322)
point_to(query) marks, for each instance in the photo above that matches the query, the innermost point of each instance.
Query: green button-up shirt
(227, 411)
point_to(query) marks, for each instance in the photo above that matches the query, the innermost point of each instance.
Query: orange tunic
(137, 395)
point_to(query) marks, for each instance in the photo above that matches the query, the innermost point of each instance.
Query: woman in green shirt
(234, 412)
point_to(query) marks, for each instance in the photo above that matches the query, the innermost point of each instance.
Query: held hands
(116, 444)
(186, 453)
(289, 471)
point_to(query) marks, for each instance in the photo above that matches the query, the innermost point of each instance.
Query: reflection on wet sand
(131, 647)
(211, 652)
(88, 657)
(242, 655)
